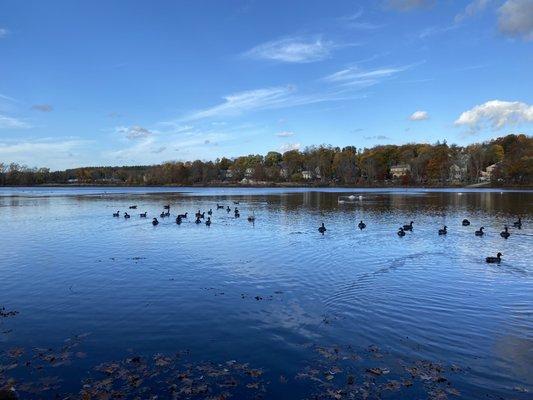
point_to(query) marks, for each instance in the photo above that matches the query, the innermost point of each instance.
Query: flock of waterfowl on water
(200, 218)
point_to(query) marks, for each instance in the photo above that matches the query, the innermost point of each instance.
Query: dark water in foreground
(111, 307)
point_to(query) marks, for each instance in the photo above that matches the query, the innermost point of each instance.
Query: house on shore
(400, 170)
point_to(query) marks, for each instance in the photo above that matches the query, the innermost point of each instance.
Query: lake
(97, 307)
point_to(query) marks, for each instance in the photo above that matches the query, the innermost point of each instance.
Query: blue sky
(141, 82)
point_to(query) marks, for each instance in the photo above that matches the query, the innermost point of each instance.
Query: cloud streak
(42, 107)
(12, 123)
(354, 76)
(293, 50)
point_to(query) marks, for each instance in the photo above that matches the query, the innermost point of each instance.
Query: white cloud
(56, 153)
(497, 114)
(134, 132)
(285, 134)
(288, 147)
(12, 123)
(3, 33)
(406, 5)
(419, 116)
(261, 99)
(293, 50)
(473, 8)
(515, 18)
(354, 76)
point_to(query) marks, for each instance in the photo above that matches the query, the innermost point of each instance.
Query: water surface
(271, 309)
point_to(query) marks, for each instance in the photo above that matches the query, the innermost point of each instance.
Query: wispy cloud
(355, 76)
(285, 134)
(419, 116)
(293, 50)
(262, 99)
(12, 123)
(496, 114)
(42, 107)
(353, 21)
(436, 30)
(515, 18)
(3, 33)
(473, 8)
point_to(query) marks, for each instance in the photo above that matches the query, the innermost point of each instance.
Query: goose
(228, 209)
(117, 214)
(178, 220)
(361, 225)
(208, 222)
(167, 207)
(219, 207)
(198, 220)
(443, 231)
(133, 207)
(505, 233)
(251, 218)
(126, 215)
(401, 232)
(466, 222)
(235, 202)
(480, 232)
(408, 227)
(237, 214)
(144, 214)
(518, 223)
(492, 260)
(210, 212)
(167, 214)
(322, 229)
(155, 222)
(200, 215)
(183, 215)
(162, 215)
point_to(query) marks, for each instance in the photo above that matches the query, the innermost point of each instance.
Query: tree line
(506, 160)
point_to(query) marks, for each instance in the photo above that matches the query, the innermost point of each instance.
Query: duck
(237, 214)
(200, 215)
(322, 229)
(401, 231)
(443, 231)
(492, 260)
(210, 212)
(518, 223)
(235, 202)
(117, 214)
(208, 221)
(144, 214)
(183, 215)
(198, 220)
(505, 233)
(155, 222)
(178, 220)
(408, 227)
(219, 207)
(228, 209)
(167, 214)
(251, 218)
(126, 215)
(480, 232)
(466, 222)
(361, 225)
(133, 207)
(162, 215)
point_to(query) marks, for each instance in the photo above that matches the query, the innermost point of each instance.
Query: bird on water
(492, 260)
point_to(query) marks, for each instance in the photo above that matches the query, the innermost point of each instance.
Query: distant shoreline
(274, 185)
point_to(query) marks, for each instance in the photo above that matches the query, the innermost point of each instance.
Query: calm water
(273, 309)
